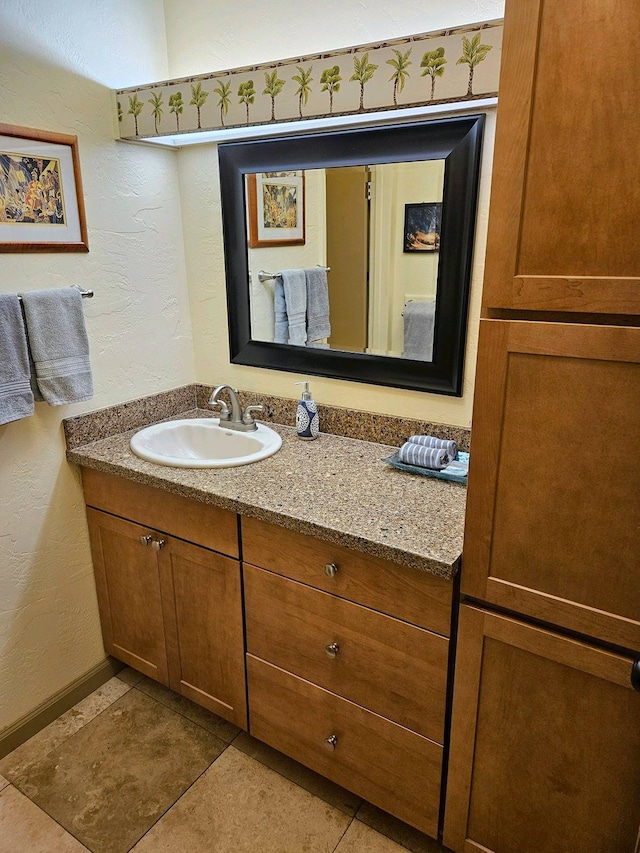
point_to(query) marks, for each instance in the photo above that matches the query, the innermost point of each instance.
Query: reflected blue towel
(431, 441)
(435, 458)
(281, 328)
(295, 297)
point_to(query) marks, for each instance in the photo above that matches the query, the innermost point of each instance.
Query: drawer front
(182, 517)
(386, 764)
(388, 666)
(417, 597)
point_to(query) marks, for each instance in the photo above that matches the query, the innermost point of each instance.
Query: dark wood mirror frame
(458, 142)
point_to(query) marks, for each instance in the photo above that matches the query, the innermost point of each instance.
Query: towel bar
(263, 275)
(86, 294)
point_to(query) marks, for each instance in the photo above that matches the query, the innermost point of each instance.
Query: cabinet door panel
(556, 760)
(128, 588)
(204, 628)
(553, 511)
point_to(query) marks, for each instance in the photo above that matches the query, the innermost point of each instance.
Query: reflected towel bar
(263, 275)
(86, 294)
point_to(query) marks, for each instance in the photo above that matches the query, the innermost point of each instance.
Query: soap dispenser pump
(307, 420)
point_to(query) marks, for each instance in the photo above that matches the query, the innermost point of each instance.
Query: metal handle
(332, 650)
(157, 544)
(330, 570)
(145, 540)
(247, 418)
(225, 411)
(635, 675)
(332, 742)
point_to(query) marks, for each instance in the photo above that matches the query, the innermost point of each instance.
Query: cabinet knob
(331, 742)
(157, 544)
(145, 540)
(330, 570)
(635, 675)
(332, 649)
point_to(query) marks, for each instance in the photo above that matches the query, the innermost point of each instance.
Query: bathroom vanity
(322, 627)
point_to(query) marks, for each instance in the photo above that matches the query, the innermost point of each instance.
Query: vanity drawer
(388, 666)
(384, 763)
(181, 517)
(414, 596)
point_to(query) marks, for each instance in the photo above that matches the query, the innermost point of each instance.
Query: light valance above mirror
(434, 236)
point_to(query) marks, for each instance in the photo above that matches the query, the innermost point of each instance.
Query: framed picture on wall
(41, 202)
(422, 226)
(276, 209)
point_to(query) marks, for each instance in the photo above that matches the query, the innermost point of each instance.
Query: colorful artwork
(276, 209)
(30, 190)
(422, 227)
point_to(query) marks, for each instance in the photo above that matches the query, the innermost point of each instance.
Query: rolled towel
(435, 458)
(431, 441)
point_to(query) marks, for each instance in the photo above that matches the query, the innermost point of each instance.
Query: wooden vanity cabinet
(168, 607)
(347, 666)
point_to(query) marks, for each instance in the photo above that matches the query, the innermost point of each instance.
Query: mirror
(389, 213)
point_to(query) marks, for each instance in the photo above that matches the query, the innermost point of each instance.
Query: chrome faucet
(234, 417)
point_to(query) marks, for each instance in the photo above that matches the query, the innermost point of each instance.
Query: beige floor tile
(3, 782)
(24, 828)
(362, 839)
(223, 729)
(114, 778)
(57, 732)
(398, 831)
(298, 773)
(130, 676)
(240, 806)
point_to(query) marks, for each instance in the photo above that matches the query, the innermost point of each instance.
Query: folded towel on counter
(295, 297)
(435, 458)
(431, 441)
(318, 324)
(59, 344)
(281, 327)
(419, 320)
(16, 397)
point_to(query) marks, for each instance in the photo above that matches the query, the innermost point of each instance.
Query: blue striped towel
(435, 458)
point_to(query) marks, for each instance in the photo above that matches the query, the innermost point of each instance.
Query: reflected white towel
(295, 297)
(59, 344)
(16, 398)
(318, 325)
(418, 330)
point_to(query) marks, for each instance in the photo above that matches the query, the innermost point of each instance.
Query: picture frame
(276, 209)
(41, 200)
(422, 225)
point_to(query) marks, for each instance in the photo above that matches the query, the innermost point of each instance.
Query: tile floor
(137, 767)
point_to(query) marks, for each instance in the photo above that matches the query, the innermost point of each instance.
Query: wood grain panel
(183, 517)
(388, 765)
(417, 597)
(555, 735)
(128, 588)
(392, 668)
(586, 294)
(204, 628)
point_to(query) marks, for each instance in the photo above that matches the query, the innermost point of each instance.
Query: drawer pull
(145, 540)
(157, 544)
(330, 570)
(332, 742)
(635, 675)
(332, 650)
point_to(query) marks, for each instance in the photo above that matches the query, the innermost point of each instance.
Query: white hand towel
(295, 296)
(281, 325)
(435, 458)
(431, 441)
(59, 344)
(418, 330)
(318, 324)
(16, 398)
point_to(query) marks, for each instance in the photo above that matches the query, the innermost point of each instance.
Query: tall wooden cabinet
(545, 736)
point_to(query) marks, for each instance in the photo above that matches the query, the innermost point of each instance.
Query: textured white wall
(59, 60)
(205, 36)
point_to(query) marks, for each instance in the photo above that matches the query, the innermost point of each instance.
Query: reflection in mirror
(373, 229)
(376, 229)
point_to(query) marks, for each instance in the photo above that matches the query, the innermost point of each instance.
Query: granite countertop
(335, 488)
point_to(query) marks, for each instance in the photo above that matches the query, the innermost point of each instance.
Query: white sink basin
(203, 443)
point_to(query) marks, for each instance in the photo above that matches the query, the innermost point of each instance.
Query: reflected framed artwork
(276, 209)
(422, 224)
(41, 201)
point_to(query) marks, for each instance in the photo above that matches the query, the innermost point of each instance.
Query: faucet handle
(225, 411)
(248, 418)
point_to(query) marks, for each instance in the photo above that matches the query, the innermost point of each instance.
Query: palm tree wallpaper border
(450, 66)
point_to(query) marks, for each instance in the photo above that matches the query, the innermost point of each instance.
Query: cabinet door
(128, 588)
(204, 630)
(545, 747)
(563, 221)
(553, 513)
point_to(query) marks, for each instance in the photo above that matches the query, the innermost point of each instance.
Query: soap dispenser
(307, 420)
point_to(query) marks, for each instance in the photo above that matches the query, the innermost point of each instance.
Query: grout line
(346, 829)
